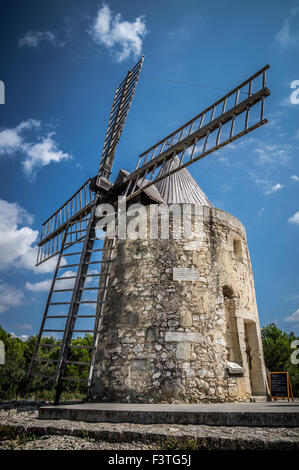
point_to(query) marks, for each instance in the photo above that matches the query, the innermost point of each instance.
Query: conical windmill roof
(180, 187)
(152, 192)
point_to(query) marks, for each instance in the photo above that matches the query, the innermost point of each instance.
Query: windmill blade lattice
(77, 208)
(118, 115)
(76, 211)
(226, 121)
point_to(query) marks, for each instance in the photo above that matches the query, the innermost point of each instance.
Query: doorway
(253, 355)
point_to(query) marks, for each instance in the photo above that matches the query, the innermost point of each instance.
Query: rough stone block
(179, 336)
(193, 245)
(185, 319)
(139, 366)
(151, 335)
(186, 274)
(130, 319)
(183, 351)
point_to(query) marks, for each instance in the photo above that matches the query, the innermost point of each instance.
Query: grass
(173, 443)
(47, 395)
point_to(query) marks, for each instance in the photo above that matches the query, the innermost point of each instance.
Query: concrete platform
(270, 414)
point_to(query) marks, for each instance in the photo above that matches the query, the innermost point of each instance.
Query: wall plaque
(186, 274)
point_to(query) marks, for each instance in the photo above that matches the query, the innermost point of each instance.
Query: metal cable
(189, 84)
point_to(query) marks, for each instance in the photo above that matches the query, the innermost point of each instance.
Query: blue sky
(61, 62)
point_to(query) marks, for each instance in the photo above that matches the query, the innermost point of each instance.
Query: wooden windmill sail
(160, 171)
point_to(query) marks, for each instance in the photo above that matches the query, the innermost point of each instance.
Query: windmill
(74, 224)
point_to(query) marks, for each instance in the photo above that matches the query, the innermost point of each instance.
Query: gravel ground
(26, 413)
(21, 429)
(70, 443)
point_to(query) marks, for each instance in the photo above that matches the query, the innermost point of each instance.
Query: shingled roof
(180, 187)
(151, 192)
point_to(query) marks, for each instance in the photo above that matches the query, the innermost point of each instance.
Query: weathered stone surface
(139, 365)
(186, 274)
(151, 334)
(187, 330)
(183, 351)
(180, 336)
(186, 318)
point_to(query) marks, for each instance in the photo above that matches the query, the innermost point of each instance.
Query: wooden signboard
(280, 386)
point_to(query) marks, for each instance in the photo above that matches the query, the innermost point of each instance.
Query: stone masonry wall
(165, 339)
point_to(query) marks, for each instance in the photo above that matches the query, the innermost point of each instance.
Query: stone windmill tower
(175, 315)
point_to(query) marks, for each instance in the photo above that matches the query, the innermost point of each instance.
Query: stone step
(199, 437)
(268, 414)
(258, 399)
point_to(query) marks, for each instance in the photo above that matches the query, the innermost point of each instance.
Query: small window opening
(238, 248)
(228, 292)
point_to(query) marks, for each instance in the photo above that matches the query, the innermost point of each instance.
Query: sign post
(280, 386)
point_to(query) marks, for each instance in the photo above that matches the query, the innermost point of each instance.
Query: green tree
(18, 355)
(13, 372)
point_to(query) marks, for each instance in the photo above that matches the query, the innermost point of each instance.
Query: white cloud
(287, 36)
(10, 297)
(11, 140)
(44, 286)
(24, 326)
(42, 153)
(67, 283)
(275, 118)
(22, 337)
(14, 241)
(34, 38)
(268, 158)
(294, 177)
(18, 251)
(38, 286)
(122, 38)
(285, 102)
(261, 181)
(268, 189)
(28, 260)
(294, 219)
(294, 318)
(271, 154)
(38, 154)
(17, 240)
(275, 188)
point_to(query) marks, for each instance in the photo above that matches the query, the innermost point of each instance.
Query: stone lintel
(180, 336)
(186, 274)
